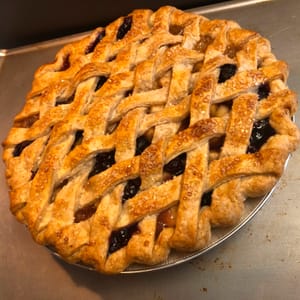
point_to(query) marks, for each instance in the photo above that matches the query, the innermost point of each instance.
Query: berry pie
(146, 135)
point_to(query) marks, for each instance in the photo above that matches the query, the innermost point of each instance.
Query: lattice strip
(186, 230)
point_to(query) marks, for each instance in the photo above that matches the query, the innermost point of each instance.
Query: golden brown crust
(157, 76)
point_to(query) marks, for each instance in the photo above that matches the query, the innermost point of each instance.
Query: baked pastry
(145, 135)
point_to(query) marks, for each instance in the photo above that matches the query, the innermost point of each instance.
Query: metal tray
(23, 61)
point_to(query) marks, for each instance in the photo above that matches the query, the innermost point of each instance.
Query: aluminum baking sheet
(265, 253)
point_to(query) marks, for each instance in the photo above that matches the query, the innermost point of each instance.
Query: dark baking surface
(24, 22)
(261, 261)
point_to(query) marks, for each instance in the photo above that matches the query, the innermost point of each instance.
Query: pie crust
(145, 135)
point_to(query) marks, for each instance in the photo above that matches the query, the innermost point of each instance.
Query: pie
(146, 135)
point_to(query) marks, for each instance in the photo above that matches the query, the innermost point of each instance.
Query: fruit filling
(226, 72)
(101, 81)
(131, 188)
(142, 142)
(26, 122)
(57, 188)
(66, 63)
(124, 28)
(165, 219)
(103, 161)
(85, 212)
(64, 101)
(91, 47)
(176, 29)
(176, 166)
(202, 45)
(261, 132)
(120, 238)
(206, 199)
(263, 90)
(78, 139)
(20, 147)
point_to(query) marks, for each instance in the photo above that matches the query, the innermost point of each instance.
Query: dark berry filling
(216, 143)
(103, 161)
(176, 29)
(85, 213)
(206, 199)
(176, 166)
(263, 90)
(26, 122)
(66, 63)
(57, 188)
(78, 139)
(91, 47)
(226, 72)
(33, 173)
(124, 28)
(261, 132)
(64, 101)
(131, 188)
(112, 58)
(128, 93)
(184, 124)
(101, 81)
(120, 238)
(141, 144)
(20, 147)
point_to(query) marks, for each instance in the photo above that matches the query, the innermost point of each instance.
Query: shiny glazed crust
(145, 79)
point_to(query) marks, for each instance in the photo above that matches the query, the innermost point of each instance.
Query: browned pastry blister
(145, 135)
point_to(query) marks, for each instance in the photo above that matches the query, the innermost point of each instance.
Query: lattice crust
(93, 159)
